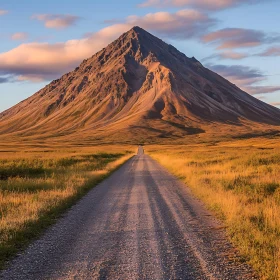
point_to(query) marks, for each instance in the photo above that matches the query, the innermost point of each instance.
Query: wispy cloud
(181, 24)
(56, 21)
(19, 36)
(242, 75)
(3, 12)
(35, 78)
(230, 38)
(226, 55)
(275, 103)
(245, 77)
(4, 80)
(200, 4)
(272, 51)
(262, 89)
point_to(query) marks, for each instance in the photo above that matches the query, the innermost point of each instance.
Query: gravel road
(140, 223)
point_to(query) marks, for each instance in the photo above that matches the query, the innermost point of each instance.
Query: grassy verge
(240, 182)
(36, 188)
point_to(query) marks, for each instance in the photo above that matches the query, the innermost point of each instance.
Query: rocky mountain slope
(137, 87)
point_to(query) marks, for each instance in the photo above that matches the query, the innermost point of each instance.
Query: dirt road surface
(140, 223)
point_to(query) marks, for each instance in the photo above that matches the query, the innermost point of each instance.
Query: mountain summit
(137, 87)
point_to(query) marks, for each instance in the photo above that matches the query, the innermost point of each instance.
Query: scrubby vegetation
(36, 187)
(240, 182)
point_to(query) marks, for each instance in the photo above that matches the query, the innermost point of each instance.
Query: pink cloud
(44, 61)
(56, 21)
(19, 36)
(227, 55)
(261, 97)
(233, 55)
(273, 51)
(3, 12)
(201, 4)
(230, 38)
(275, 103)
(261, 89)
(181, 24)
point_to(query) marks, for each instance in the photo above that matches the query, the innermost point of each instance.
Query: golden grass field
(240, 182)
(37, 185)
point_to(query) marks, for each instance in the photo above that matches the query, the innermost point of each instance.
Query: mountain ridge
(137, 81)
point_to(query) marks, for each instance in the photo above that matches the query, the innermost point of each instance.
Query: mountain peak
(139, 34)
(138, 29)
(141, 42)
(138, 85)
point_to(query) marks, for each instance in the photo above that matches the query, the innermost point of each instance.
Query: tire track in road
(179, 260)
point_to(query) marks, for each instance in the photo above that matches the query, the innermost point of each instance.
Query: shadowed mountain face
(137, 87)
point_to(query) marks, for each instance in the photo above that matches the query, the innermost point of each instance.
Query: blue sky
(41, 40)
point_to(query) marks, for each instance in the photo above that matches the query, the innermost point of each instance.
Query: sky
(42, 40)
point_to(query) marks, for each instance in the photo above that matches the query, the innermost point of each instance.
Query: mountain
(138, 87)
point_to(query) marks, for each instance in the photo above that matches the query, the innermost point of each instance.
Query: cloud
(262, 89)
(56, 21)
(261, 97)
(275, 103)
(19, 36)
(37, 61)
(3, 12)
(200, 4)
(245, 77)
(242, 75)
(44, 61)
(4, 80)
(226, 55)
(181, 24)
(151, 3)
(273, 51)
(35, 78)
(230, 38)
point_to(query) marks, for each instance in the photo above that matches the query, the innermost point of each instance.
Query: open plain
(141, 223)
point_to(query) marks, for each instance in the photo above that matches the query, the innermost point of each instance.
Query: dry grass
(36, 187)
(240, 181)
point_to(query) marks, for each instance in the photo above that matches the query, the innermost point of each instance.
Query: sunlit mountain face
(138, 85)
